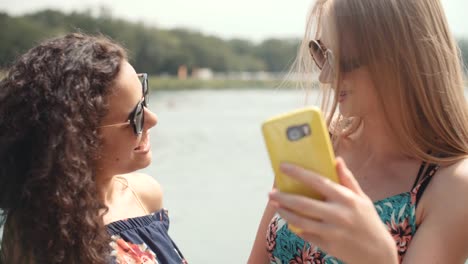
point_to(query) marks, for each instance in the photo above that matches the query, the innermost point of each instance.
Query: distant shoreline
(172, 83)
(158, 83)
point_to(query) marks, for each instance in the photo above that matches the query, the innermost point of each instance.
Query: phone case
(299, 137)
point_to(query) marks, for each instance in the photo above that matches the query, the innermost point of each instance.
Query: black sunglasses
(322, 55)
(144, 86)
(136, 118)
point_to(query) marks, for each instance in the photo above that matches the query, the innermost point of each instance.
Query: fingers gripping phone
(299, 137)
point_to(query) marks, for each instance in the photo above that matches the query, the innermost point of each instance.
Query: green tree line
(151, 48)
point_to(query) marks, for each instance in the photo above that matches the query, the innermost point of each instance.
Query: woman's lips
(144, 145)
(342, 96)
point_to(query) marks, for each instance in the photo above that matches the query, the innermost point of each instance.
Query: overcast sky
(250, 19)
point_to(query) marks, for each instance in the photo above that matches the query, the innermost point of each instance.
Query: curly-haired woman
(74, 129)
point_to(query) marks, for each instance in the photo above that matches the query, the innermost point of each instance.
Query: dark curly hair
(51, 103)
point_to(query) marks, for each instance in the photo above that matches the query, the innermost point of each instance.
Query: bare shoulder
(451, 182)
(442, 214)
(446, 195)
(148, 190)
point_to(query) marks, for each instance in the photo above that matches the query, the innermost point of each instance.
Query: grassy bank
(170, 83)
(158, 83)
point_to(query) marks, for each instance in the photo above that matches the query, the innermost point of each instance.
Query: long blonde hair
(414, 63)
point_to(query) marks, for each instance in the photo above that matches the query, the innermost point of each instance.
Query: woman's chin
(147, 160)
(142, 162)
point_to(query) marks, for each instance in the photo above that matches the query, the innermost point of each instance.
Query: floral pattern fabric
(128, 253)
(397, 212)
(143, 240)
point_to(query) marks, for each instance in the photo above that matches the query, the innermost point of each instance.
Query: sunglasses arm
(114, 125)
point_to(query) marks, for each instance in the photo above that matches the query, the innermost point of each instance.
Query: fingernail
(273, 193)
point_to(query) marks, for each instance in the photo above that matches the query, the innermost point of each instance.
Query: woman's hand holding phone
(344, 224)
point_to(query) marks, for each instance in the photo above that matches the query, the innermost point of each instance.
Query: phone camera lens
(295, 133)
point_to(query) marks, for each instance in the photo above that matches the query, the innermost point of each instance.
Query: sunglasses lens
(139, 119)
(144, 87)
(146, 90)
(317, 53)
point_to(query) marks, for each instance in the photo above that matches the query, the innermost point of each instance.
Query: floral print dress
(143, 240)
(398, 212)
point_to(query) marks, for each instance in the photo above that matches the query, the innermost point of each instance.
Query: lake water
(209, 156)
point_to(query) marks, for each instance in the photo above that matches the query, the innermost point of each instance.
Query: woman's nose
(151, 119)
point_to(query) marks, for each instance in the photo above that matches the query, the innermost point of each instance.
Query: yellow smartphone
(299, 137)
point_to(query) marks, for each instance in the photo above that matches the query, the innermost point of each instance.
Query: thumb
(346, 176)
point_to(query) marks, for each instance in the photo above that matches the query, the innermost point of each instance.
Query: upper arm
(442, 236)
(258, 254)
(148, 190)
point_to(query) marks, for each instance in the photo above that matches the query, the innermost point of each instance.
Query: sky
(248, 19)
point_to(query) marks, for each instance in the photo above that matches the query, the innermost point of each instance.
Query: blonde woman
(400, 128)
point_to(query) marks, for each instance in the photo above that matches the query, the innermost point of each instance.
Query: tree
(150, 49)
(17, 36)
(463, 44)
(278, 54)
